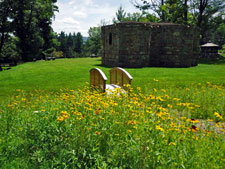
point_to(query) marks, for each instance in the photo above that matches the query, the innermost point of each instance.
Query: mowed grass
(170, 117)
(202, 85)
(73, 73)
(46, 75)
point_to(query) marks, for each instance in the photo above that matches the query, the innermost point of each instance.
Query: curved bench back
(120, 76)
(98, 79)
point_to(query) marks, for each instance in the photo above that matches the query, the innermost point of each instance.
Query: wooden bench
(118, 79)
(98, 79)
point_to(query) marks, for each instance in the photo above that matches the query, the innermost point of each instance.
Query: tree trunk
(203, 4)
(3, 28)
(2, 41)
(163, 15)
(185, 12)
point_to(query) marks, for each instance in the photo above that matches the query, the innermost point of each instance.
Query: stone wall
(136, 44)
(134, 39)
(110, 52)
(173, 45)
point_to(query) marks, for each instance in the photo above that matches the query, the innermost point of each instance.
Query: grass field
(73, 73)
(193, 85)
(172, 117)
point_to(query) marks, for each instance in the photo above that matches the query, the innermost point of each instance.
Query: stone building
(209, 51)
(137, 44)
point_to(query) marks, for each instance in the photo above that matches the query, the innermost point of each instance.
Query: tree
(200, 13)
(63, 41)
(32, 20)
(10, 53)
(79, 43)
(154, 5)
(93, 43)
(5, 24)
(120, 15)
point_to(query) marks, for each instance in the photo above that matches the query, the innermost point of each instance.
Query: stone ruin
(137, 44)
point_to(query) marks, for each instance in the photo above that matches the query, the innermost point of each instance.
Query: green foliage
(5, 27)
(93, 43)
(29, 21)
(220, 34)
(58, 54)
(206, 15)
(70, 45)
(120, 15)
(10, 52)
(88, 129)
(222, 51)
(78, 43)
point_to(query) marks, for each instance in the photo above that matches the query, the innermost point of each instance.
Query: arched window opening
(110, 38)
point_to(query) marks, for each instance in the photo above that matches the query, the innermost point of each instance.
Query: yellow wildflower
(64, 113)
(97, 133)
(169, 105)
(159, 128)
(65, 116)
(60, 119)
(172, 143)
(218, 115)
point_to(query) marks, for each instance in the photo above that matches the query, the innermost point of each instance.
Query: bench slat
(98, 79)
(120, 76)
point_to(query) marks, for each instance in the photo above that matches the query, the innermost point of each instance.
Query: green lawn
(170, 118)
(73, 73)
(203, 85)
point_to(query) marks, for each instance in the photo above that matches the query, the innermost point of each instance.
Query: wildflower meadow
(162, 127)
(89, 129)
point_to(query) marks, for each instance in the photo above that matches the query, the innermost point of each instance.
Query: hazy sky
(80, 15)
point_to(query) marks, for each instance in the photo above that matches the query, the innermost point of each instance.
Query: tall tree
(32, 20)
(120, 15)
(200, 13)
(79, 43)
(156, 6)
(93, 43)
(63, 40)
(5, 24)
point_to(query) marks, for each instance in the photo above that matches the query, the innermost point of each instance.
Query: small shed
(209, 51)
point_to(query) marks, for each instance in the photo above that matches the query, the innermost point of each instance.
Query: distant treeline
(26, 33)
(75, 45)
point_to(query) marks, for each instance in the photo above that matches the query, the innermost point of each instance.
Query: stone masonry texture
(136, 44)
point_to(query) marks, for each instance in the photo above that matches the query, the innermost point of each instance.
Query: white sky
(80, 15)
